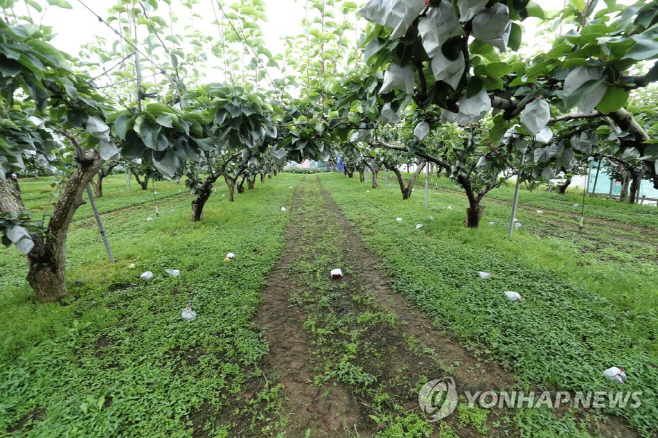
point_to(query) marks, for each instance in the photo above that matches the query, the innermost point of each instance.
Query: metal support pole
(514, 204)
(427, 182)
(100, 224)
(128, 180)
(385, 178)
(582, 213)
(598, 169)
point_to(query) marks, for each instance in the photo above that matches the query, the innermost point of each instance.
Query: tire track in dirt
(473, 374)
(291, 349)
(339, 409)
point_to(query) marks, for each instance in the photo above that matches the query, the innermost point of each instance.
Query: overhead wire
(110, 69)
(242, 40)
(223, 42)
(162, 71)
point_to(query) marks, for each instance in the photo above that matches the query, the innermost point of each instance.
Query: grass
(580, 314)
(116, 358)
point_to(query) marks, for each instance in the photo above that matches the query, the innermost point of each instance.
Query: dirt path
(352, 353)
(291, 349)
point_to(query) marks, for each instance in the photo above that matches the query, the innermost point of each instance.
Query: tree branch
(575, 116)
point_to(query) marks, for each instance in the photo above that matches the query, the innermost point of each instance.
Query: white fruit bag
(283, 208)
(438, 26)
(336, 273)
(398, 78)
(493, 26)
(230, 255)
(397, 14)
(615, 374)
(421, 130)
(147, 276)
(399, 219)
(544, 136)
(535, 116)
(419, 226)
(448, 71)
(470, 8)
(173, 272)
(513, 296)
(389, 116)
(188, 314)
(472, 109)
(485, 275)
(362, 134)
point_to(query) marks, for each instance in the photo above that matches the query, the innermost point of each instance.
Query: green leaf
(149, 134)
(579, 95)
(35, 5)
(60, 3)
(652, 74)
(534, 10)
(474, 86)
(645, 47)
(373, 47)
(158, 108)
(121, 125)
(174, 60)
(146, 22)
(515, 37)
(499, 68)
(499, 129)
(9, 68)
(164, 120)
(613, 100)
(452, 48)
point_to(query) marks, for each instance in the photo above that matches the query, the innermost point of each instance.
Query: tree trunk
(10, 196)
(473, 216)
(562, 188)
(230, 182)
(406, 194)
(350, 174)
(623, 196)
(374, 179)
(475, 210)
(269, 175)
(98, 186)
(198, 204)
(362, 176)
(275, 172)
(404, 188)
(47, 261)
(636, 180)
(262, 178)
(251, 182)
(143, 184)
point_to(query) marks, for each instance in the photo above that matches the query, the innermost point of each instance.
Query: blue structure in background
(603, 184)
(339, 160)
